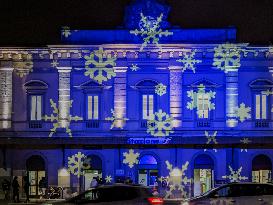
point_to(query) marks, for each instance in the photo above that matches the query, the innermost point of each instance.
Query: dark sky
(38, 22)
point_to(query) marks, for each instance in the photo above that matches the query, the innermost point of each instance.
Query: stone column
(176, 94)
(5, 97)
(120, 94)
(231, 97)
(64, 95)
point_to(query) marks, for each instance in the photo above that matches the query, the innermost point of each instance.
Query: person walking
(42, 187)
(26, 188)
(15, 189)
(6, 188)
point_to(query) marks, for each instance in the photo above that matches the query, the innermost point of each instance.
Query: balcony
(203, 123)
(92, 124)
(35, 124)
(261, 123)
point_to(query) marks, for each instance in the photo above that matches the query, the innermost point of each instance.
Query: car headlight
(185, 203)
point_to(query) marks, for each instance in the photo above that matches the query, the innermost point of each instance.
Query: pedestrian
(94, 183)
(26, 188)
(42, 187)
(15, 189)
(6, 188)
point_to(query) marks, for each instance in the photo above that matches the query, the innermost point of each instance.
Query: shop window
(147, 170)
(261, 169)
(203, 174)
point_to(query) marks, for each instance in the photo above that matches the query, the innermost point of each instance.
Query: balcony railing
(35, 124)
(203, 123)
(92, 124)
(261, 123)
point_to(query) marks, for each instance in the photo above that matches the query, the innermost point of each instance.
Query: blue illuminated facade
(31, 77)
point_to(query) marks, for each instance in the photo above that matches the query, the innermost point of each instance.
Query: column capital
(120, 69)
(64, 69)
(175, 68)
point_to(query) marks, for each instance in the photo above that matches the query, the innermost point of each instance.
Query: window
(260, 106)
(147, 106)
(36, 107)
(203, 105)
(92, 107)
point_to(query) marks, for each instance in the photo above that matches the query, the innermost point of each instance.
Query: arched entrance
(261, 169)
(94, 169)
(203, 174)
(147, 170)
(35, 171)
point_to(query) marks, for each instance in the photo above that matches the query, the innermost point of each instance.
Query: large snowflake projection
(77, 163)
(131, 158)
(235, 176)
(66, 31)
(189, 61)
(23, 64)
(227, 57)
(54, 118)
(99, 66)
(177, 180)
(217, 201)
(243, 112)
(117, 121)
(160, 124)
(160, 89)
(245, 141)
(150, 30)
(200, 94)
(211, 139)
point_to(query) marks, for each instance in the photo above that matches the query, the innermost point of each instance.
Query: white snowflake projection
(189, 61)
(177, 180)
(134, 67)
(160, 124)
(108, 179)
(200, 94)
(131, 158)
(160, 89)
(99, 66)
(235, 176)
(77, 163)
(211, 139)
(245, 141)
(66, 31)
(243, 112)
(54, 64)
(23, 68)
(117, 121)
(218, 201)
(227, 57)
(150, 31)
(54, 118)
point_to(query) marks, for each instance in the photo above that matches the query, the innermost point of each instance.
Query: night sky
(38, 22)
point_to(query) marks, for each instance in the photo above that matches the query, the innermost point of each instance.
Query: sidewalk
(32, 201)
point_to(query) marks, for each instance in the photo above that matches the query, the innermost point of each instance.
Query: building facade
(123, 105)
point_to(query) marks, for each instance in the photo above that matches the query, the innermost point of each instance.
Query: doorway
(261, 169)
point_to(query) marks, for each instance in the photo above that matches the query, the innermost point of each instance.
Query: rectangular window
(261, 107)
(36, 107)
(147, 106)
(203, 105)
(93, 107)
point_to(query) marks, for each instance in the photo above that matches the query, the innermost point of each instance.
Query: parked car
(236, 194)
(118, 194)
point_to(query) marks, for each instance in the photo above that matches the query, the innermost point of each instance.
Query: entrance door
(203, 174)
(147, 170)
(261, 169)
(35, 171)
(94, 170)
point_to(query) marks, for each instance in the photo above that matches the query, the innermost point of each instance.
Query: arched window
(35, 99)
(147, 170)
(203, 174)
(36, 172)
(261, 169)
(148, 101)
